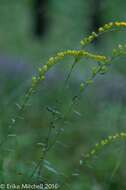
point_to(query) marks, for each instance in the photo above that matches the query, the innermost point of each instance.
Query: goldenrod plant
(103, 63)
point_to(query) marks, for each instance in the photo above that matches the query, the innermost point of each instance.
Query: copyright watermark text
(29, 186)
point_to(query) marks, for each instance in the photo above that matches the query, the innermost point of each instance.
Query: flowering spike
(108, 140)
(106, 28)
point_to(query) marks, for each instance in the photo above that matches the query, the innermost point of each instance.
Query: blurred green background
(29, 35)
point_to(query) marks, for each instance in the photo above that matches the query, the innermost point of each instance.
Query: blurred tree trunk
(96, 16)
(40, 17)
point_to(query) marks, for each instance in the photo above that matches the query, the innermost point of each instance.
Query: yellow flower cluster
(101, 30)
(120, 24)
(59, 56)
(104, 142)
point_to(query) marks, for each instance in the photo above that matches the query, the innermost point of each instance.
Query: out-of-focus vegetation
(100, 111)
